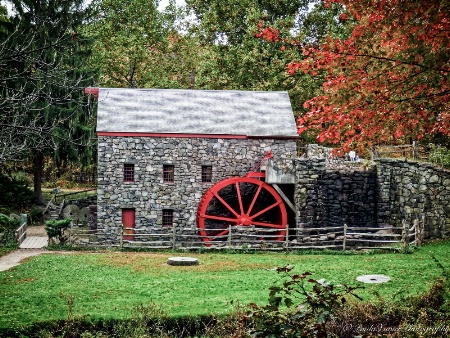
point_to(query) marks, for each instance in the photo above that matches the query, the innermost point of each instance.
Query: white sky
(164, 3)
(161, 6)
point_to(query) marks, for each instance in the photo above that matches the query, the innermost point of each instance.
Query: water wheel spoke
(250, 208)
(269, 225)
(226, 204)
(219, 218)
(266, 209)
(216, 236)
(238, 191)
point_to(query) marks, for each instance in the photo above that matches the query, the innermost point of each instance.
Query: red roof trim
(91, 91)
(127, 134)
(168, 135)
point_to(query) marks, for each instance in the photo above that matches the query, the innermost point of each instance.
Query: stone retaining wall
(327, 197)
(412, 190)
(384, 195)
(84, 202)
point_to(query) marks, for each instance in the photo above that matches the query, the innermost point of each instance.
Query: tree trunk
(38, 164)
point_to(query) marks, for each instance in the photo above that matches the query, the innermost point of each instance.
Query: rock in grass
(185, 261)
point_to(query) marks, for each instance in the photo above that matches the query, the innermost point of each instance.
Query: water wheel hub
(244, 220)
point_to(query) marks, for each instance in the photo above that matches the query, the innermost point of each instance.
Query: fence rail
(413, 151)
(21, 231)
(83, 193)
(239, 237)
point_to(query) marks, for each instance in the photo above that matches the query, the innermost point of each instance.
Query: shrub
(424, 315)
(8, 226)
(233, 325)
(15, 192)
(36, 215)
(55, 229)
(440, 155)
(309, 305)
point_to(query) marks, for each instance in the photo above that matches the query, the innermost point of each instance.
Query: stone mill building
(160, 151)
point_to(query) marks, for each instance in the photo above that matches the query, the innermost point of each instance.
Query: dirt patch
(157, 263)
(38, 231)
(26, 280)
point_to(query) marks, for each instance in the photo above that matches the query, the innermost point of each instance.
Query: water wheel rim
(241, 213)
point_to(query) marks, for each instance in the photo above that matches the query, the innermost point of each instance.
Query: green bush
(15, 192)
(8, 226)
(36, 216)
(439, 155)
(55, 229)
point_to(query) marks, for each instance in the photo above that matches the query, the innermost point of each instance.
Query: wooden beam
(285, 198)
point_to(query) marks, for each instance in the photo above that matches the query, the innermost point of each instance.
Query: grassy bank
(111, 284)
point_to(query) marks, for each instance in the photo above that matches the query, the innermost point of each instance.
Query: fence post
(70, 233)
(229, 235)
(422, 228)
(407, 234)
(23, 218)
(287, 238)
(174, 237)
(121, 237)
(345, 237)
(417, 231)
(404, 234)
(23, 223)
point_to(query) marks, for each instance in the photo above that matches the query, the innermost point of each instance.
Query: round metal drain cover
(373, 278)
(185, 261)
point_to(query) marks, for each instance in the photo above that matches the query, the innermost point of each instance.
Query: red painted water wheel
(242, 201)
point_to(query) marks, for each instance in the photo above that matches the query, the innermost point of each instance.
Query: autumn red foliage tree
(388, 81)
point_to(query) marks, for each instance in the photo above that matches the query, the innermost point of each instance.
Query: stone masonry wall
(327, 197)
(84, 202)
(393, 191)
(412, 190)
(149, 195)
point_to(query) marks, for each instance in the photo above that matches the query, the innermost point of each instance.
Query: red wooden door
(128, 221)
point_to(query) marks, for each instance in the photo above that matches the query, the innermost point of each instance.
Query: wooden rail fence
(238, 237)
(412, 151)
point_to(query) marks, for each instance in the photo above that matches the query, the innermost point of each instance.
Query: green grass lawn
(111, 284)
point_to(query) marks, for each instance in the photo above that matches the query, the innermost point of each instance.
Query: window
(167, 218)
(128, 172)
(168, 173)
(206, 173)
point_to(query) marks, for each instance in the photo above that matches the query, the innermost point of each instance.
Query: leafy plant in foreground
(308, 309)
(55, 229)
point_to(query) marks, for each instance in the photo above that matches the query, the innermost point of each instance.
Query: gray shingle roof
(195, 112)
